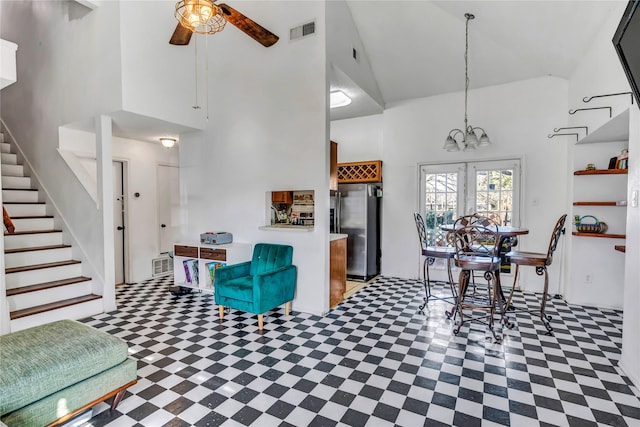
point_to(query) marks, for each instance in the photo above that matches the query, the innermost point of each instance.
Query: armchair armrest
(274, 287)
(233, 271)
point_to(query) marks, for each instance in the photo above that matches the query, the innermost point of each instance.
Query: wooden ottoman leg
(221, 311)
(287, 308)
(260, 321)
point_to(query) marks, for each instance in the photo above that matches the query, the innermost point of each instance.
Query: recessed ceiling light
(338, 99)
(168, 142)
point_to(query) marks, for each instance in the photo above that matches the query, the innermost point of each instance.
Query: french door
(449, 190)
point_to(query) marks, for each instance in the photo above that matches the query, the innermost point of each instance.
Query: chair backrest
(555, 236)
(475, 236)
(269, 256)
(422, 232)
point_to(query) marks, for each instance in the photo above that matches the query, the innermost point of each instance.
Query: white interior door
(169, 212)
(118, 221)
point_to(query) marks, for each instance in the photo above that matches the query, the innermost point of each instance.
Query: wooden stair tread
(32, 217)
(53, 306)
(23, 203)
(35, 248)
(46, 285)
(32, 232)
(40, 266)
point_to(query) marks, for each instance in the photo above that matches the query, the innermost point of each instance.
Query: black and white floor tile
(375, 360)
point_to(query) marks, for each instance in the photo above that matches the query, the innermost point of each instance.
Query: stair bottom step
(52, 306)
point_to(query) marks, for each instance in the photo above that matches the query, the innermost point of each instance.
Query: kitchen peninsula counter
(337, 268)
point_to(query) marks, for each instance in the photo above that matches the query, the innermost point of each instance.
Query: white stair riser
(32, 277)
(76, 311)
(17, 241)
(22, 182)
(5, 147)
(26, 209)
(21, 259)
(19, 196)
(33, 224)
(46, 296)
(12, 170)
(8, 159)
(1, 136)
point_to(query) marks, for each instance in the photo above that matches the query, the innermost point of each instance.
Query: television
(626, 41)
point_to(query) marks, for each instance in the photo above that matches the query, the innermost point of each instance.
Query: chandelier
(469, 140)
(200, 16)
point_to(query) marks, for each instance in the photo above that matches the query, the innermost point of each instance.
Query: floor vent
(303, 30)
(162, 266)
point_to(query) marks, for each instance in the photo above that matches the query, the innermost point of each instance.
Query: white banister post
(104, 145)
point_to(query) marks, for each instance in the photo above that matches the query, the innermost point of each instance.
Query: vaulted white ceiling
(416, 48)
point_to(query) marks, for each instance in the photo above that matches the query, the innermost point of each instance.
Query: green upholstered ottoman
(50, 373)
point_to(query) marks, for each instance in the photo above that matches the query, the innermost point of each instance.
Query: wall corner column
(104, 159)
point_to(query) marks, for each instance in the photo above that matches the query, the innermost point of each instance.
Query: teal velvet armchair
(259, 285)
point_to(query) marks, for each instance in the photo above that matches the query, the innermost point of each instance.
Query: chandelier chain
(466, 74)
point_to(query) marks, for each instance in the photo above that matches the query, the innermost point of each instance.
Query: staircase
(43, 282)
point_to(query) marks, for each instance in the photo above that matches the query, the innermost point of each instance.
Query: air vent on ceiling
(303, 30)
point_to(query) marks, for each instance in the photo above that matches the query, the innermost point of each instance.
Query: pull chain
(206, 53)
(195, 41)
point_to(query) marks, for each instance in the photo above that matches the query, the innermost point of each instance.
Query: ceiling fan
(206, 17)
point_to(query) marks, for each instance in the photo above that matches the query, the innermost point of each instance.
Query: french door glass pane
(494, 194)
(441, 203)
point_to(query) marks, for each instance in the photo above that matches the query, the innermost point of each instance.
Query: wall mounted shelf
(602, 172)
(615, 129)
(609, 236)
(597, 204)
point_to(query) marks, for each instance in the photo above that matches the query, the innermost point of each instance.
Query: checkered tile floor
(375, 360)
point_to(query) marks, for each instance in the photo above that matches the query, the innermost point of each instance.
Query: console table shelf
(620, 248)
(598, 204)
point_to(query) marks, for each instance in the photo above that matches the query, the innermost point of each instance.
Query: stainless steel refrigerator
(355, 211)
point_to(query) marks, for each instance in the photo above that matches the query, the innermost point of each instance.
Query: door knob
(163, 225)
(119, 228)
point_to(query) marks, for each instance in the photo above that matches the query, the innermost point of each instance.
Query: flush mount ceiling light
(338, 98)
(469, 139)
(168, 142)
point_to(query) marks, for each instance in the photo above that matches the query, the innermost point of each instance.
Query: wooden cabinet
(337, 270)
(282, 197)
(333, 170)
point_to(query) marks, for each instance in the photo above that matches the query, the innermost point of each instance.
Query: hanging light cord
(195, 42)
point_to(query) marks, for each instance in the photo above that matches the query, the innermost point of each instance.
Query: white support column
(104, 159)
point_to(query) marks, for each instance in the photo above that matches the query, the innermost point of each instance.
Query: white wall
(267, 131)
(342, 37)
(157, 77)
(142, 159)
(517, 117)
(362, 138)
(600, 72)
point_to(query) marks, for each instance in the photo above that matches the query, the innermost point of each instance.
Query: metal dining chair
(476, 243)
(540, 261)
(430, 254)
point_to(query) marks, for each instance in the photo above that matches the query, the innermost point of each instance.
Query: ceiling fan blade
(249, 27)
(181, 35)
